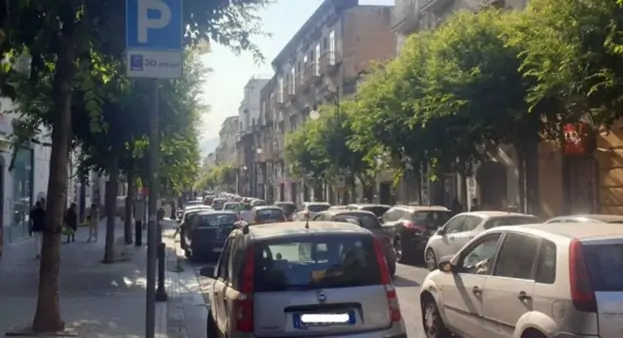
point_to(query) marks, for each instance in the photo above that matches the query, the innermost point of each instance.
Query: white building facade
(250, 107)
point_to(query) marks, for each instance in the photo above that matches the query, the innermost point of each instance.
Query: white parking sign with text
(152, 64)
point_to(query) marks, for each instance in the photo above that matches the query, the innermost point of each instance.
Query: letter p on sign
(145, 23)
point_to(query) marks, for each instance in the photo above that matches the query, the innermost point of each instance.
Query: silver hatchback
(303, 279)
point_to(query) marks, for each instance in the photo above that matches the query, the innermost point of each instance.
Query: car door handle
(476, 290)
(523, 296)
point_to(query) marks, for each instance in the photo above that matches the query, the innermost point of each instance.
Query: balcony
(300, 84)
(291, 88)
(329, 62)
(406, 14)
(312, 73)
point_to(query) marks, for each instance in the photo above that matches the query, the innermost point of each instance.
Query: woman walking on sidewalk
(93, 220)
(37, 219)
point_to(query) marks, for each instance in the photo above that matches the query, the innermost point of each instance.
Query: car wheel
(392, 269)
(187, 253)
(398, 250)
(431, 259)
(432, 323)
(212, 330)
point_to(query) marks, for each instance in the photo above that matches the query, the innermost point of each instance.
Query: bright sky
(224, 88)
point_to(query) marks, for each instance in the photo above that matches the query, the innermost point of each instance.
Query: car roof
(285, 203)
(580, 230)
(423, 207)
(363, 205)
(210, 212)
(496, 214)
(197, 206)
(317, 203)
(346, 211)
(266, 207)
(298, 228)
(597, 217)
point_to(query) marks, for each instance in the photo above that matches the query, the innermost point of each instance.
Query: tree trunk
(48, 314)
(111, 209)
(127, 225)
(521, 178)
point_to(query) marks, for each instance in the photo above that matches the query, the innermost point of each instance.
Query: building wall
(610, 175)
(249, 110)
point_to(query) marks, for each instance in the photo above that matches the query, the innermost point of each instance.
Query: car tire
(187, 253)
(398, 248)
(392, 269)
(212, 329)
(430, 259)
(432, 323)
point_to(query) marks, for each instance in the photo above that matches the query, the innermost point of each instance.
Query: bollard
(161, 293)
(138, 233)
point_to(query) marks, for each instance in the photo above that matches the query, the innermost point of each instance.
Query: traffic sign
(155, 25)
(154, 64)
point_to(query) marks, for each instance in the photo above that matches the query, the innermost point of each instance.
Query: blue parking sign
(154, 25)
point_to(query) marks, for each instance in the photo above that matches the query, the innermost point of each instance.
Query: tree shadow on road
(401, 282)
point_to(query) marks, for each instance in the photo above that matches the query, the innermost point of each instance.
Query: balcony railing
(312, 71)
(300, 82)
(329, 61)
(291, 88)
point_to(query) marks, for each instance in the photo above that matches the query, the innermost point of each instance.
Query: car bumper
(397, 330)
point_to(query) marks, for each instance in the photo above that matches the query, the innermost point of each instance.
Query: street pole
(152, 230)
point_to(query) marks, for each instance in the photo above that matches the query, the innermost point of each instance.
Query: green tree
(304, 158)
(71, 45)
(220, 177)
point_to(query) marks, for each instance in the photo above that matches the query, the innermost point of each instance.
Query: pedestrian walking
(37, 225)
(71, 220)
(475, 205)
(94, 221)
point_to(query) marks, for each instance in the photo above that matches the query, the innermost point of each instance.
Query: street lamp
(314, 115)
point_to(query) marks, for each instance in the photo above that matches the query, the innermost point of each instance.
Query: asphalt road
(407, 281)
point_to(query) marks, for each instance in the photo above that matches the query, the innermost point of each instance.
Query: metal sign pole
(152, 231)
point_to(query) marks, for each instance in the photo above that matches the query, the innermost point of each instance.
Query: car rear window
(318, 207)
(231, 206)
(288, 208)
(496, 222)
(270, 214)
(215, 220)
(364, 220)
(605, 263)
(377, 210)
(431, 218)
(315, 262)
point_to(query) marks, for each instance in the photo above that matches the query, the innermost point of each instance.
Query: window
(305, 61)
(605, 263)
(517, 256)
(292, 80)
(496, 222)
(223, 262)
(431, 219)
(317, 61)
(478, 258)
(332, 48)
(325, 44)
(546, 265)
(281, 89)
(471, 222)
(364, 220)
(315, 262)
(454, 225)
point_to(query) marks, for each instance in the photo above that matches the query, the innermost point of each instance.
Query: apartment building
(225, 152)
(322, 62)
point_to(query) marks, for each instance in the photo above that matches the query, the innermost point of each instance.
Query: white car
(310, 209)
(460, 229)
(530, 281)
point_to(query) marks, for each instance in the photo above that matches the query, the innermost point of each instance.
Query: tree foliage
(221, 177)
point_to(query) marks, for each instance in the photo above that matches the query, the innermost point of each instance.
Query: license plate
(305, 321)
(217, 249)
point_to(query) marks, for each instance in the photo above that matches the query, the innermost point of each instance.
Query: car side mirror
(207, 271)
(441, 231)
(446, 266)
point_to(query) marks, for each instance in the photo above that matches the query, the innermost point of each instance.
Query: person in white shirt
(246, 214)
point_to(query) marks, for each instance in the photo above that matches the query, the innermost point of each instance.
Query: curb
(175, 305)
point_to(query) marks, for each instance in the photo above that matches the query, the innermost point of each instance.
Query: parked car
(460, 229)
(288, 273)
(310, 209)
(232, 206)
(268, 214)
(289, 208)
(218, 203)
(411, 227)
(366, 220)
(378, 209)
(559, 280)
(186, 217)
(595, 218)
(206, 232)
(257, 202)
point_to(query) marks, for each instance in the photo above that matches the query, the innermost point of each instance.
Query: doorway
(385, 193)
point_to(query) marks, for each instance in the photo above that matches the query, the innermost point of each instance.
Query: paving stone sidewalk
(97, 300)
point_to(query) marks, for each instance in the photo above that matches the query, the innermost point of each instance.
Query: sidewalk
(97, 300)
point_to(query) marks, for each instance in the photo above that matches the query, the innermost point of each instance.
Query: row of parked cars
(494, 274)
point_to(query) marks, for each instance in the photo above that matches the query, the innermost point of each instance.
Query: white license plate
(217, 249)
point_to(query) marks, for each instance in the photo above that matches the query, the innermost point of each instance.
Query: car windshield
(318, 207)
(431, 218)
(231, 206)
(363, 219)
(289, 208)
(271, 214)
(315, 262)
(215, 220)
(605, 263)
(511, 220)
(376, 209)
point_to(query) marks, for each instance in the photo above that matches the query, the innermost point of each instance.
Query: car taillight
(244, 303)
(386, 278)
(582, 293)
(413, 226)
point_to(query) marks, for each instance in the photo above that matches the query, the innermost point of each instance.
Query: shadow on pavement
(401, 281)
